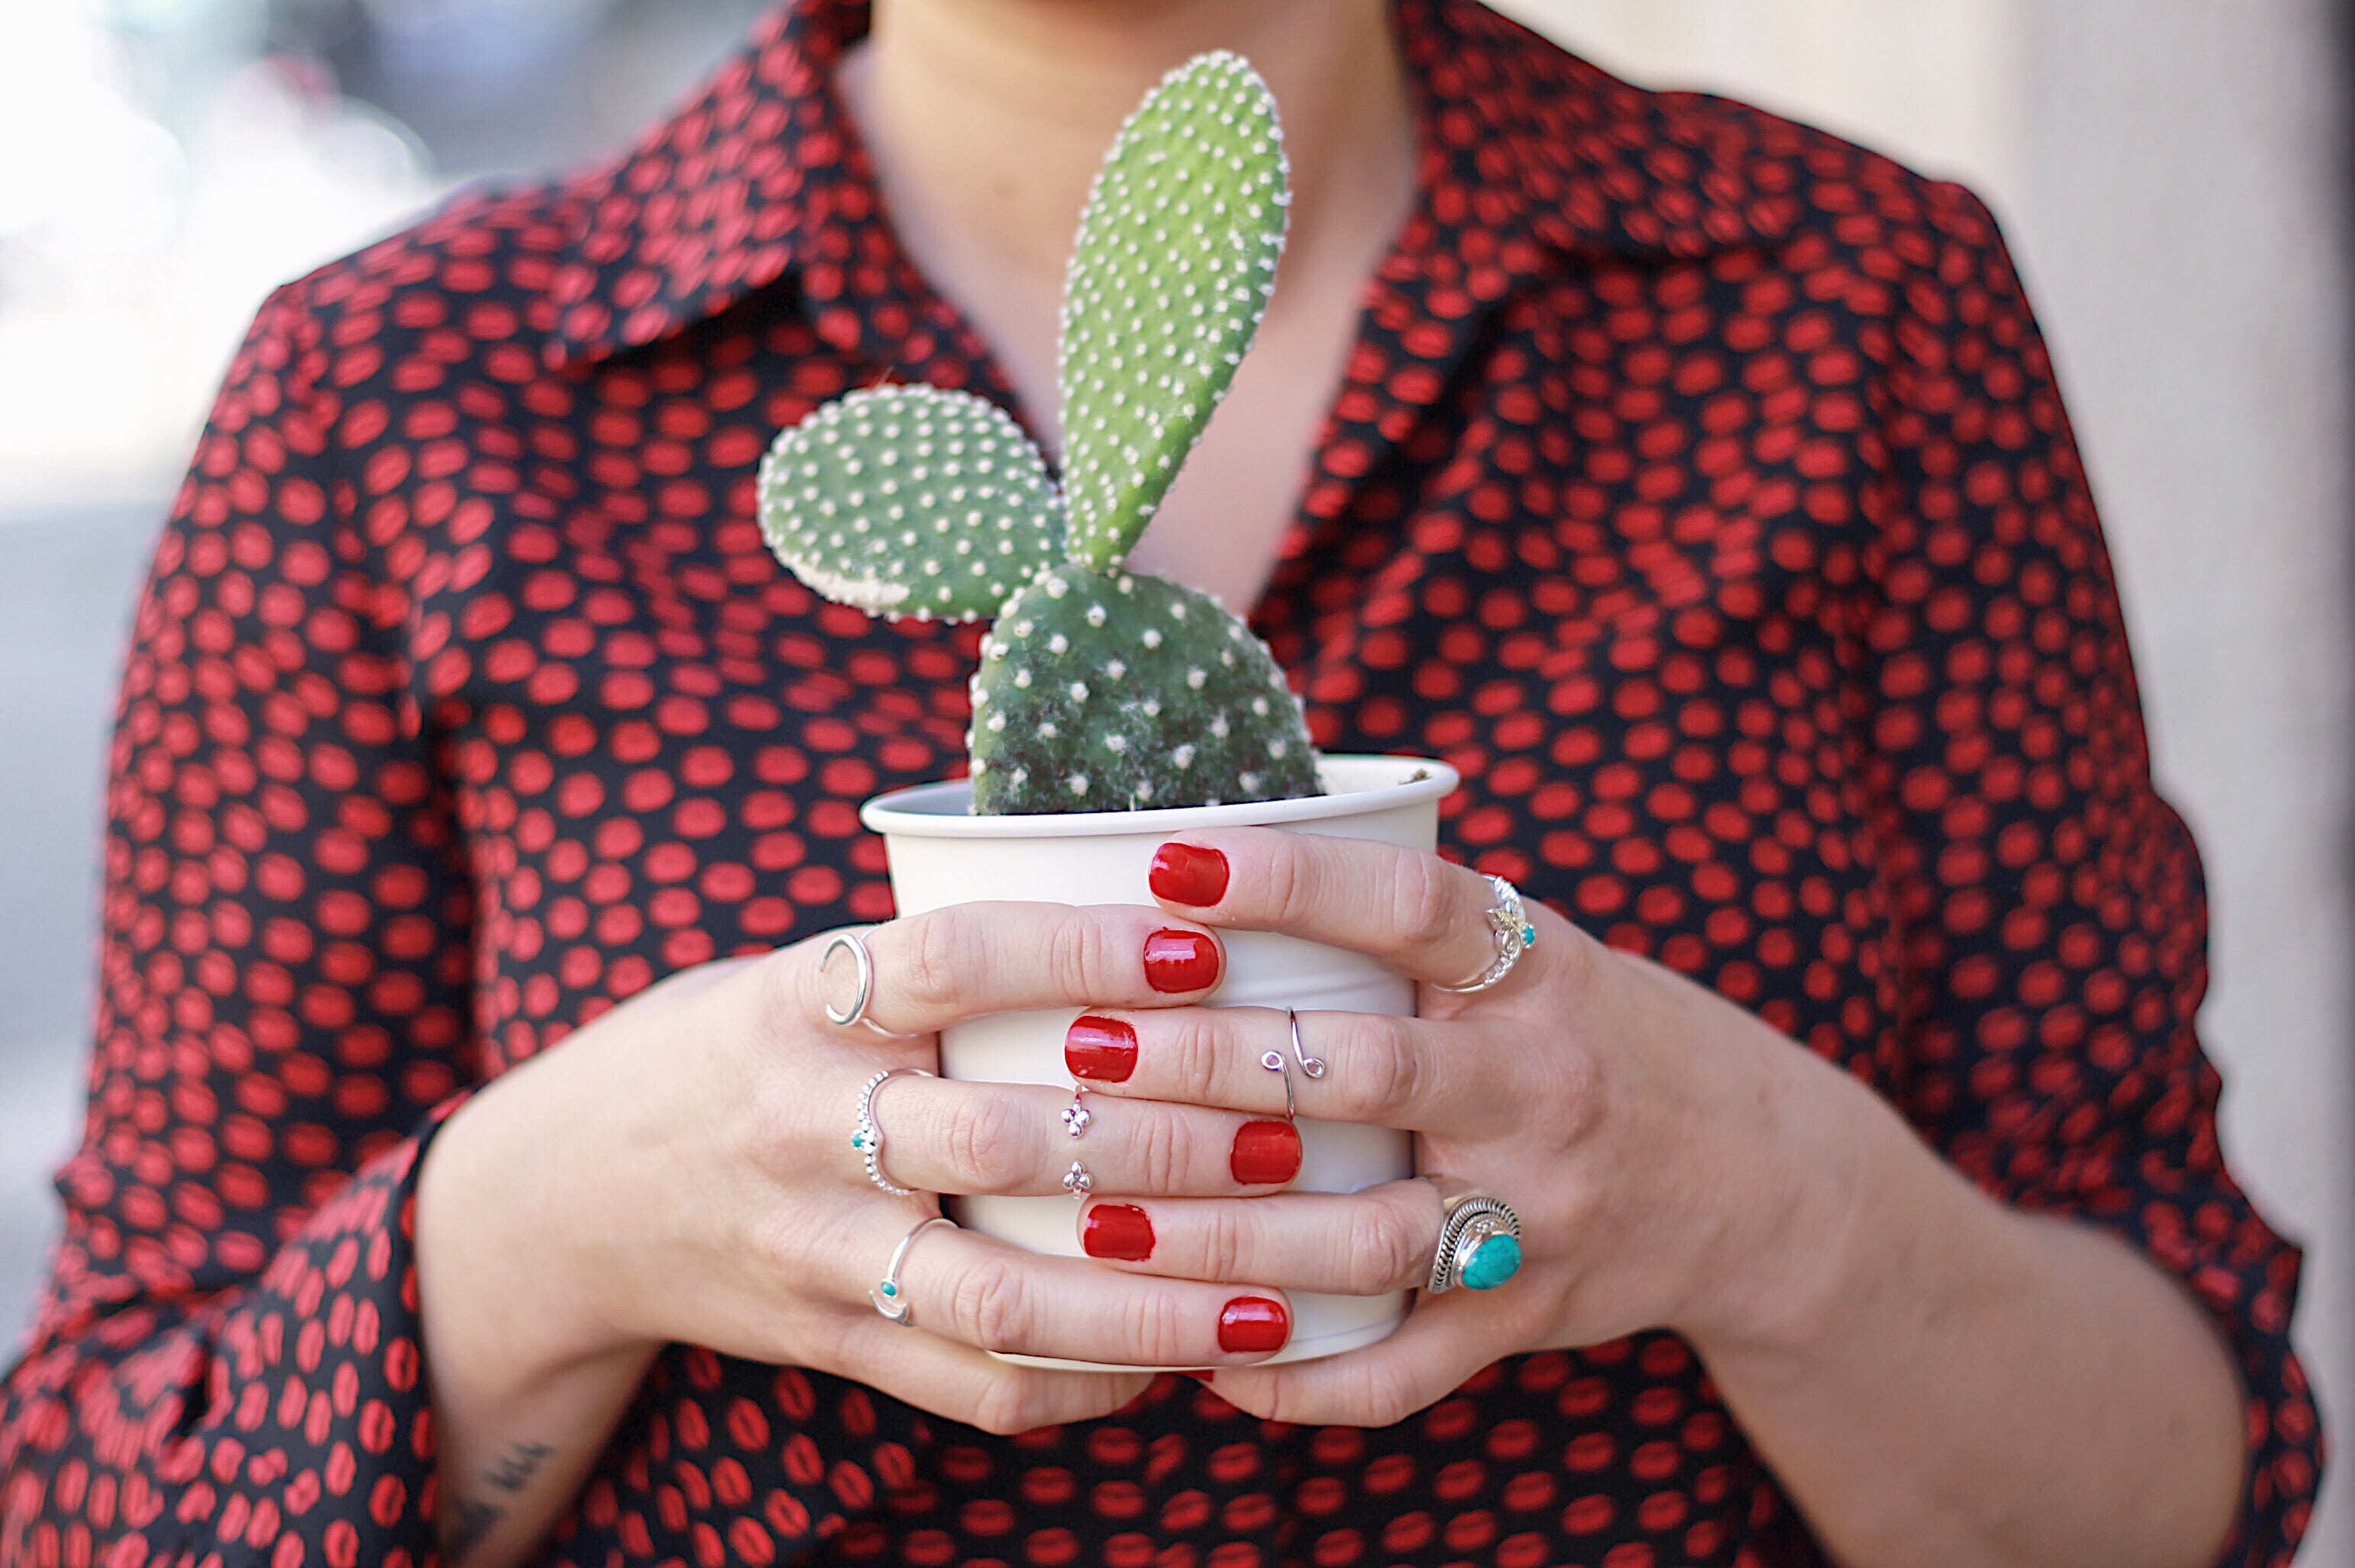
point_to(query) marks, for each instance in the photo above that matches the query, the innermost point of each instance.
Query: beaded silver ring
(866, 1137)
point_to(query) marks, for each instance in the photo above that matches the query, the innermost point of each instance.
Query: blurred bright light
(141, 223)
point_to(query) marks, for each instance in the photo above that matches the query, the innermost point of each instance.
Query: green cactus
(1100, 689)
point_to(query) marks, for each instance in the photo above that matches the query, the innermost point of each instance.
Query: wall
(2174, 177)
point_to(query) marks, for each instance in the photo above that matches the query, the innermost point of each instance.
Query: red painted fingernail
(1254, 1323)
(1188, 874)
(1265, 1152)
(1181, 961)
(1099, 1048)
(1120, 1230)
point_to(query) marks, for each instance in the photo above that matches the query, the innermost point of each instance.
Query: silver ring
(1076, 1115)
(1274, 1062)
(857, 1011)
(1312, 1065)
(1077, 1181)
(866, 1137)
(889, 1297)
(1510, 928)
(1479, 1239)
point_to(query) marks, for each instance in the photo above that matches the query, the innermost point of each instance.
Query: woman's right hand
(681, 1170)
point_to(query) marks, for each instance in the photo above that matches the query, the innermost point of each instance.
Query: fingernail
(1188, 874)
(1254, 1323)
(1196, 1374)
(1099, 1048)
(1121, 1230)
(1181, 961)
(1265, 1152)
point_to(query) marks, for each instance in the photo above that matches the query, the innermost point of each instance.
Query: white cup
(941, 854)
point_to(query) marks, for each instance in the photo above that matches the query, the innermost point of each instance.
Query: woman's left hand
(1674, 1161)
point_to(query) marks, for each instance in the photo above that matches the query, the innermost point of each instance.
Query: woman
(1693, 481)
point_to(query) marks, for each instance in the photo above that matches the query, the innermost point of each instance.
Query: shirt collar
(1529, 152)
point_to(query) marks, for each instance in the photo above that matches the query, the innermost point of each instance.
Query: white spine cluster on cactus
(911, 500)
(1099, 689)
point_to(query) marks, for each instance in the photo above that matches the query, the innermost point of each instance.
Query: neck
(987, 119)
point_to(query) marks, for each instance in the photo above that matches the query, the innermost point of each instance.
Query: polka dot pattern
(1699, 488)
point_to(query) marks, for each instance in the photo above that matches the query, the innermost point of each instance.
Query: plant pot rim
(1353, 784)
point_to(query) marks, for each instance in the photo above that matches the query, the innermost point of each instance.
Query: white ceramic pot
(941, 854)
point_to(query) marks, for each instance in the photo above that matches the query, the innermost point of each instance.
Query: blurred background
(2175, 177)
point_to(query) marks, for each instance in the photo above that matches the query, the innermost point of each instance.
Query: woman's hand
(1642, 1129)
(681, 1170)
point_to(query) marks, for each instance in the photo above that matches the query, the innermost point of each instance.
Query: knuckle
(990, 1306)
(1289, 886)
(1163, 1148)
(1388, 1072)
(1422, 900)
(984, 1142)
(936, 945)
(1387, 1250)
(1076, 955)
(1153, 1325)
(1007, 1404)
(1227, 1236)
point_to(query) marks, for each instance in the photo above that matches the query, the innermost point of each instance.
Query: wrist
(1817, 1160)
(514, 1282)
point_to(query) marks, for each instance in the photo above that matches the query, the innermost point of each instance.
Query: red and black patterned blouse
(1699, 489)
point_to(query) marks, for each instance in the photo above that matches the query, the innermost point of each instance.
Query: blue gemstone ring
(891, 1297)
(1479, 1240)
(1509, 930)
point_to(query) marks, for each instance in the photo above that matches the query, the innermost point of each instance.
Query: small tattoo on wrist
(474, 1518)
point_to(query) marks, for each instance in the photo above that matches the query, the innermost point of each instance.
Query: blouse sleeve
(2054, 915)
(225, 1367)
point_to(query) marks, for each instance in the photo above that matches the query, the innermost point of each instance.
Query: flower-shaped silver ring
(1509, 929)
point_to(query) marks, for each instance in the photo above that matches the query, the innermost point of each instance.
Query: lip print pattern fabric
(1699, 488)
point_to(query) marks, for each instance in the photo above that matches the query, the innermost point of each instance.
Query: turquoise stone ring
(1493, 1260)
(1479, 1239)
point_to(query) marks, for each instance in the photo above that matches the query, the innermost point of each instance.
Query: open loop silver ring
(1313, 1066)
(854, 944)
(1275, 1063)
(1509, 930)
(866, 1137)
(891, 1297)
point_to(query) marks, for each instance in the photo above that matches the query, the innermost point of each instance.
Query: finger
(962, 1383)
(1420, 1074)
(1443, 1342)
(1420, 914)
(994, 1297)
(1361, 1243)
(1015, 1138)
(966, 960)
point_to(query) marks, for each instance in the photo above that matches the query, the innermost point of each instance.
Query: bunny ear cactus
(1100, 689)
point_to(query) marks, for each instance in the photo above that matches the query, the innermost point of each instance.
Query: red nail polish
(1181, 961)
(1188, 874)
(1120, 1230)
(1254, 1323)
(1265, 1152)
(1099, 1048)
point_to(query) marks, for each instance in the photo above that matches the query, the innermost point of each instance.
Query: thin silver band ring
(889, 1297)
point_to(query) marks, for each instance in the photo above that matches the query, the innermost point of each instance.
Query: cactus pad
(1113, 692)
(912, 501)
(1175, 261)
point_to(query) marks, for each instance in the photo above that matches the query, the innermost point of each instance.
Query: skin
(1935, 1379)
